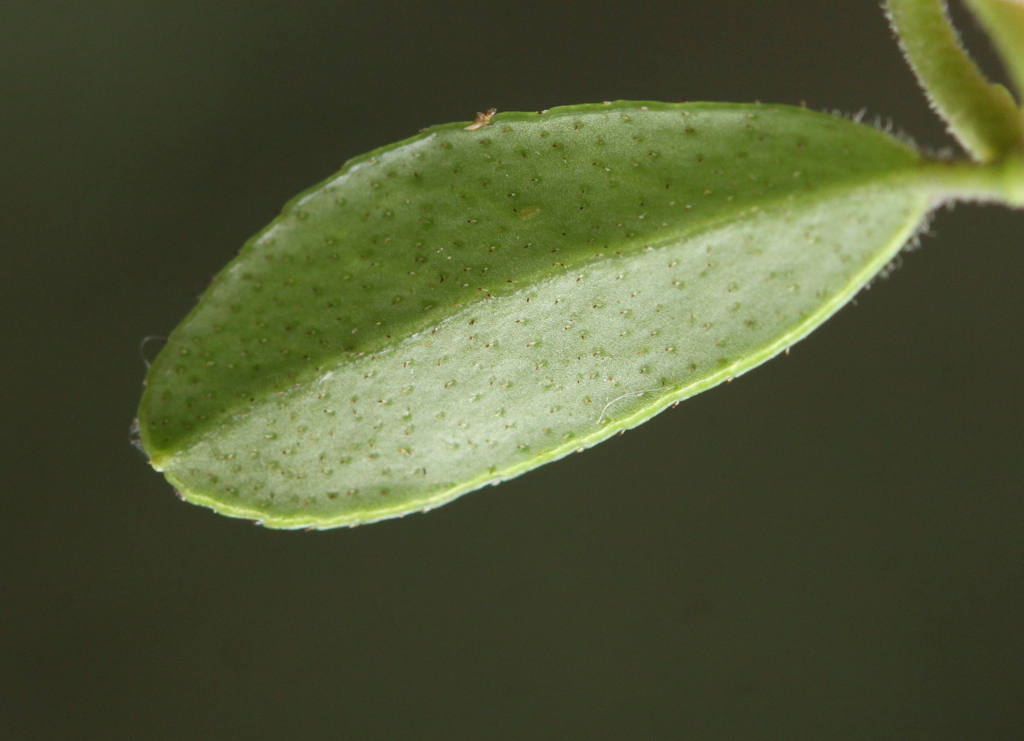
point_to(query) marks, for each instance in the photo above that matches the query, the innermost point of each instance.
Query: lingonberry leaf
(465, 305)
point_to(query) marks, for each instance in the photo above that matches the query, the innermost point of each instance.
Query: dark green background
(830, 547)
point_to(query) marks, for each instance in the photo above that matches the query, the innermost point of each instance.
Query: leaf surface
(463, 306)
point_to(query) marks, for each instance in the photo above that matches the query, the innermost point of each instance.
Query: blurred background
(829, 547)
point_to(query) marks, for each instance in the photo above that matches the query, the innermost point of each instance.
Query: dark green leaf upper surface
(463, 306)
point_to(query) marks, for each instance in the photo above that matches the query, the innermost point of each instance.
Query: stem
(983, 117)
(1004, 21)
(996, 182)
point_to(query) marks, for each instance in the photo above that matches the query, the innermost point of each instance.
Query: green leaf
(463, 306)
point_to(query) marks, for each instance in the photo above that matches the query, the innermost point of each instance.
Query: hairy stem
(982, 116)
(997, 182)
(1004, 20)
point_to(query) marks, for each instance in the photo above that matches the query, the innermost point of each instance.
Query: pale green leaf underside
(464, 306)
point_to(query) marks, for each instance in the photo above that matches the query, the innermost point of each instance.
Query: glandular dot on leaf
(465, 305)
